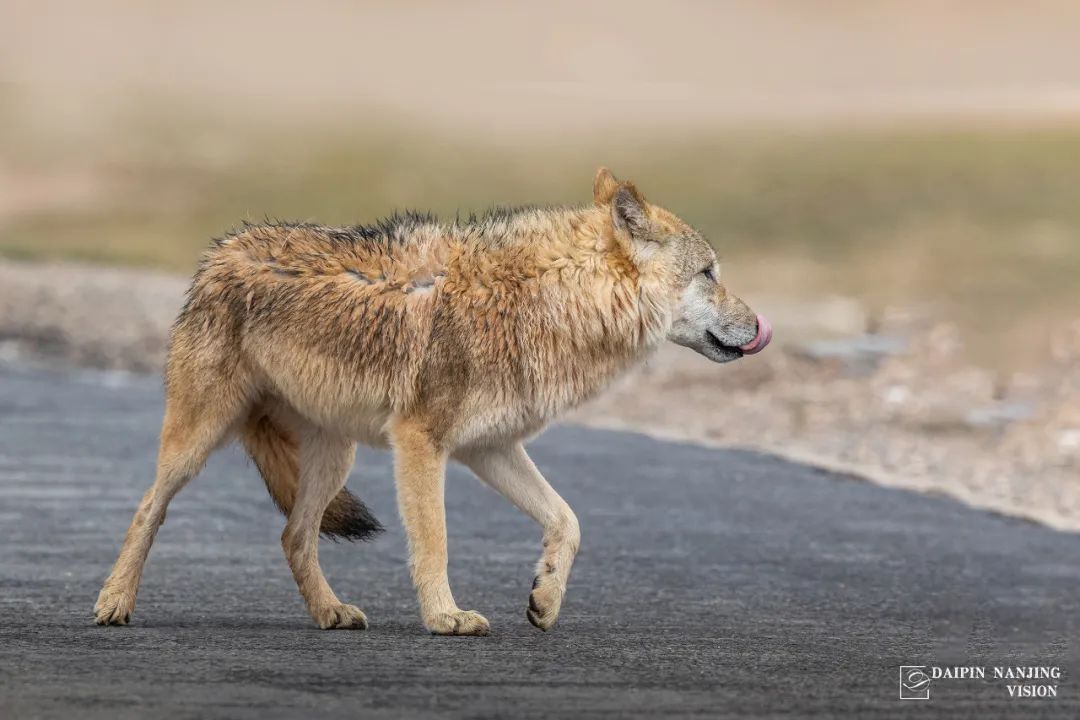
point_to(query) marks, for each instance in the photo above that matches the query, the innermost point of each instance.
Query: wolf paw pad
(544, 602)
(459, 622)
(341, 617)
(113, 608)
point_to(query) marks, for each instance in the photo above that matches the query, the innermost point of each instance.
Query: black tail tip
(348, 518)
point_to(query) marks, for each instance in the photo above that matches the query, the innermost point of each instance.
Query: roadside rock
(98, 317)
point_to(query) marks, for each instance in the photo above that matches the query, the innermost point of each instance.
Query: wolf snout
(761, 339)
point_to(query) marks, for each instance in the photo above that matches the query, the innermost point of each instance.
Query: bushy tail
(276, 454)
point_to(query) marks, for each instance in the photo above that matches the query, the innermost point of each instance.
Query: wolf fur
(442, 341)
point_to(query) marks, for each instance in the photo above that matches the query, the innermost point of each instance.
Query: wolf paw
(544, 601)
(459, 622)
(113, 607)
(340, 617)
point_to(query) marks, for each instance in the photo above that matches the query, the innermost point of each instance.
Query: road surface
(710, 583)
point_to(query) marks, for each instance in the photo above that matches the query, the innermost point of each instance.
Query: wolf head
(705, 317)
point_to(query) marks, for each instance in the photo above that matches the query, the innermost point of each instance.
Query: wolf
(442, 341)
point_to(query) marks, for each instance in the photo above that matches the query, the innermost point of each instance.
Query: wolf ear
(628, 212)
(604, 186)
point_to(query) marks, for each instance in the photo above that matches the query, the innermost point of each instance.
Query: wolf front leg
(419, 472)
(512, 473)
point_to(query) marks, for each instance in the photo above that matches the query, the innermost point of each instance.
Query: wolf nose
(764, 335)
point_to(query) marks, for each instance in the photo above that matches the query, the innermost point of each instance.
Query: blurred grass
(983, 222)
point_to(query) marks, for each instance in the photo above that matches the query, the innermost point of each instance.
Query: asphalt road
(709, 583)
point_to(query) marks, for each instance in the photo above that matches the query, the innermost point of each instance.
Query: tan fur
(441, 341)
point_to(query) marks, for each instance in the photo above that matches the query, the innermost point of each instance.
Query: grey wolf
(442, 341)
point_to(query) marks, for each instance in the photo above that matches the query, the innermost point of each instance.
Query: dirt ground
(897, 405)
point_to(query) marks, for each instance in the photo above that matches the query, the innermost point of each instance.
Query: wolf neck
(593, 314)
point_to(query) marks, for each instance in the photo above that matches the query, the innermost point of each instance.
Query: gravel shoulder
(899, 407)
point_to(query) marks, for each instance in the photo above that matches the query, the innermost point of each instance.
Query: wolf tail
(276, 455)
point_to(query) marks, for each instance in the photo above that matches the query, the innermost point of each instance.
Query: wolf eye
(708, 273)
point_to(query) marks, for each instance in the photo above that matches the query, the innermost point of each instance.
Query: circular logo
(916, 679)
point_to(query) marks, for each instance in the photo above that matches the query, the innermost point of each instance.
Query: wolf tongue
(764, 335)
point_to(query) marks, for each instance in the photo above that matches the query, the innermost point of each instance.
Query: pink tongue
(764, 335)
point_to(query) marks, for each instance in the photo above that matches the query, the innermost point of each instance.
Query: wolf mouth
(715, 341)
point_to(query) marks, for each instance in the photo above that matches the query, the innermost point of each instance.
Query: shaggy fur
(442, 341)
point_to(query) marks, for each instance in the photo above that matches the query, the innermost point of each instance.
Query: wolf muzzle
(763, 337)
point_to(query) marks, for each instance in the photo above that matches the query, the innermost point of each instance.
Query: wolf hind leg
(275, 449)
(513, 475)
(325, 461)
(195, 423)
